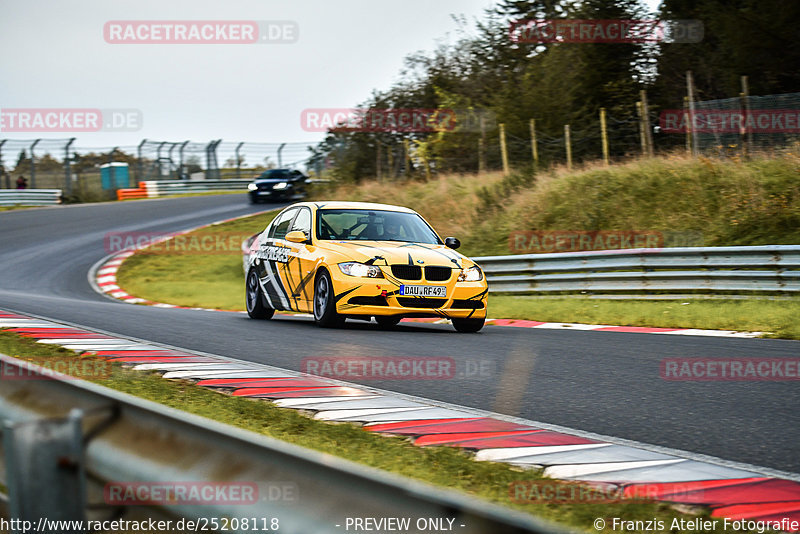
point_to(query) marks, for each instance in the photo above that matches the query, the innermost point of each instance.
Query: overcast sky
(55, 56)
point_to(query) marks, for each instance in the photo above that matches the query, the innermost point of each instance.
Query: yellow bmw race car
(357, 260)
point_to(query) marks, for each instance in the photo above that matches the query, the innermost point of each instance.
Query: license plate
(423, 291)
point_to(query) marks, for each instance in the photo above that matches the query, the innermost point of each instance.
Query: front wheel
(254, 301)
(468, 326)
(325, 303)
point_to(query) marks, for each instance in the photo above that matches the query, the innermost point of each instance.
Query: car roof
(337, 204)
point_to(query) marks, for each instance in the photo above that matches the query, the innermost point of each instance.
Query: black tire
(254, 300)
(468, 326)
(325, 302)
(387, 321)
(254, 199)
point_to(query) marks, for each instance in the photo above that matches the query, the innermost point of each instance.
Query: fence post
(2, 167)
(139, 163)
(690, 95)
(33, 165)
(568, 142)
(503, 148)
(642, 139)
(407, 150)
(378, 161)
(158, 158)
(482, 146)
(180, 160)
(746, 134)
(534, 145)
(280, 158)
(67, 168)
(238, 161)
(604, 134)
(688, 125)
(648, 133)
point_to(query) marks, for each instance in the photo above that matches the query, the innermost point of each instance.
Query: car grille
(459, 304)
(369, 301)
(412, 302)
(438, 274)
(407, 272)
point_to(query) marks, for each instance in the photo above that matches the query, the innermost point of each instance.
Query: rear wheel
(468, 325)
(325, 302)
(387, 321)
(254, 301)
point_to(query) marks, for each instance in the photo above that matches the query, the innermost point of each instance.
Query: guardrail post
(46, 474)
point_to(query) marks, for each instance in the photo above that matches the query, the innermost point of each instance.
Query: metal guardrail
(768, 268)
(65, 440)
(30, 197)
(157, 188)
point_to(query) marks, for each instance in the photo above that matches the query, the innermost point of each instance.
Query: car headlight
(353, 268)
(280, 185)
(252, 187)
(473, 274)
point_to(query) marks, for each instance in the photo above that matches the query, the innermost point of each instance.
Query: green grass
(727, 202)
(442, 466)
(210, 278)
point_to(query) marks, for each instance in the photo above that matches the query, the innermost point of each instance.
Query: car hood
(395, 252)
(262, 181)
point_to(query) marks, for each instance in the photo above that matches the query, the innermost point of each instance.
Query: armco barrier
(157, 188)
(767, 268)
(64, 439)
(30, 197)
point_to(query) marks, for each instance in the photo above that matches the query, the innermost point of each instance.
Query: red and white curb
(731, 490)
(104, 279)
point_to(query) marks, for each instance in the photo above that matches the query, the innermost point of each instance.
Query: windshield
(374, 225)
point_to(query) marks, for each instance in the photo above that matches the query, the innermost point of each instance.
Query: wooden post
(482, 147)
(642, 139)
(568, 142)
(746, 134)
(604, 134)
(534, 146)
(407, 151)
(503, 148)
(390, 161)
(378, 162)
(690, 95)
(688, 125)
(648, 133)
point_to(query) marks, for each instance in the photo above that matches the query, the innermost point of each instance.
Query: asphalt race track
(603, 382)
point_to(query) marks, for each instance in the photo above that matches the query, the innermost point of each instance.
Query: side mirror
(452, 242)
(296, 236)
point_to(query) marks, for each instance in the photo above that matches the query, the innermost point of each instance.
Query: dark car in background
(278, 184)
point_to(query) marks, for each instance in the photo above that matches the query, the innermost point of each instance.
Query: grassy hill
(724, 202)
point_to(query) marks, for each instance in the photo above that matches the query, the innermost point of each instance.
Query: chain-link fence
(95, 173)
